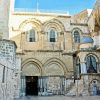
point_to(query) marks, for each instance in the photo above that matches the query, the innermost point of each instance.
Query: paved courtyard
(60, 98)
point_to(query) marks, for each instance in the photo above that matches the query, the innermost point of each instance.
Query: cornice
(41, 14)
(79, 24)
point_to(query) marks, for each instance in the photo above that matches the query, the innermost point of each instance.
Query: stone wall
(7, 50)
(47, 59)
(6, 83)
(9, 69)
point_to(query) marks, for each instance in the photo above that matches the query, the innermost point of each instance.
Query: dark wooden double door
(32, 85)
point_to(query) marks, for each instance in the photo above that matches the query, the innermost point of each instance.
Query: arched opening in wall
(54, 80)
(54, 69)
(91, 64)
(29, 83)
(94, 87)
(76, 33)
(31, 69)
(52, 35)
(54, 31)
(76, 36)
(77, 70)
(31, 35)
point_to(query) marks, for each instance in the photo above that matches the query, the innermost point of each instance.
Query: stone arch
(96, 58)
(54, 66)
(78, 37)
(93, 80)
(92, 54)
(55, 23)
(77, 29)
(94, 87)
(30, 65)
(32, 22)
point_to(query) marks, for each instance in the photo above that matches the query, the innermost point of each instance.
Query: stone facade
(57, 54)
(60, 66)
(8, 69)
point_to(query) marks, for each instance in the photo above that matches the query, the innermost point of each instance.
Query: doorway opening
(32, 85)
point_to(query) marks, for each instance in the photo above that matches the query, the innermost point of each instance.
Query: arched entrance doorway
(54, 79)
(30, 78)
(94, 87)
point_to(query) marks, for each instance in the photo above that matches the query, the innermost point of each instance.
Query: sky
(71, 6)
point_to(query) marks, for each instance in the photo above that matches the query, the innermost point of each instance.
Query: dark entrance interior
(32, 85)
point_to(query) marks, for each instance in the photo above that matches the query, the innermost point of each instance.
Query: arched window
(91, 64)
(52, 35)
(31, 35)
(76, 37)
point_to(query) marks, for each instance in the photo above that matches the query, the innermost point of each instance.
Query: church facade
(56, 54)
(57, 51)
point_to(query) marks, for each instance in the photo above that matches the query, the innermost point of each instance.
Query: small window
(76, 37)
(91, 64)
(52, 35)
(31, 36)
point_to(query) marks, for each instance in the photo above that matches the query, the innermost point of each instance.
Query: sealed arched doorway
(30, 77)
(54, 79)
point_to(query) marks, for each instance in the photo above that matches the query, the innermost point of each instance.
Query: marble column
(23, 85)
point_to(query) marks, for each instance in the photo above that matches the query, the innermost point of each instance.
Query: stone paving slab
(60, 98)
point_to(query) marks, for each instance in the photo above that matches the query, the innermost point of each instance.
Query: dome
(86, 39)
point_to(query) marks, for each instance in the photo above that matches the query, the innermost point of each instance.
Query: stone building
(94, 27)
(9, 70)
(57, 52)
(9, 64)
